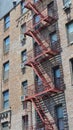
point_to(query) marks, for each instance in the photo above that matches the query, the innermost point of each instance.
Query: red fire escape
(47, 52)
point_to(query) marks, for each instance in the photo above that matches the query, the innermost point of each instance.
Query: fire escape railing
(47, 86)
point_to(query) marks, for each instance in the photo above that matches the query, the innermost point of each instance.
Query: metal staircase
(48, 86)
(48, 125)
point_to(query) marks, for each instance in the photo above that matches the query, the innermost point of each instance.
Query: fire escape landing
(49, 87)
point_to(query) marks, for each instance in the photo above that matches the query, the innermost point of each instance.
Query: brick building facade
(36, 71)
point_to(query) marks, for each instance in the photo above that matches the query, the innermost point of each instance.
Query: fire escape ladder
(34, 35)
(48, 51)
(40, 74)
(31, 6)
(44, 73)
(41, 113)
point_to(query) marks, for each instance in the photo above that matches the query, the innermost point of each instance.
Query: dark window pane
(70, 32)
(51, 9)
(5, 99)
(23, 28)
(7, 21)
(24, 56)
(23, 9)
(24, 88)
(53, 37)
(6, 44)
(6, 71)
(56, 72)
(37, 21)
(25, 122)
(71, 68)
(60, 116)
(61, 124)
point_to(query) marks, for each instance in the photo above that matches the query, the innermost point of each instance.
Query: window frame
(25, 87)
(57, 119)
(6, 22)
(67, 32)
(22, 37)
(24, 124)
(6, 100)
(54, 75)
(22, 56)
(50, 6)
(23, 26)
(36, 24)
(53, 44)
(23, 9)
(51, 34)
(4, 71)
(6, 47)
(71, 69)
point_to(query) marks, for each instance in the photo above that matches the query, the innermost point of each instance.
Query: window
(6, 99)
(23, 9)
(36, 1)
(53, 37)
(38, 80)
(37, 49)
(36, 21)
(6, 44)
(25, 122)
(66, 1)
(39, 122)
(5, 126)
(6, 71)
(23, 30)
(24, 56)
(7, 21)
(60, 121)
(56, 72)
(24, 92)
(39, 85)
(71, 68)
(70, 32)
(51, 9)
(24, 87)
(24, 59)
(24, 105)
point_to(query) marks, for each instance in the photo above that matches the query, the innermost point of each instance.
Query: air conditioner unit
(22, 65)
(67, 5)
(22, 37)
(22, 98)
